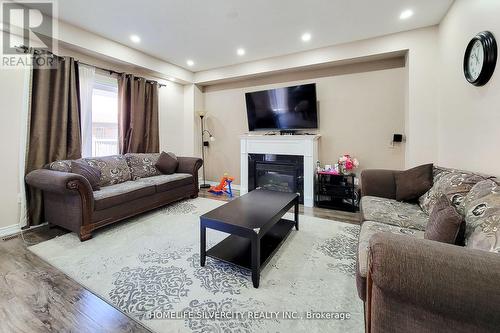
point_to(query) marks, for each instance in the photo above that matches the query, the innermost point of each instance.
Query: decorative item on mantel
(204, 144)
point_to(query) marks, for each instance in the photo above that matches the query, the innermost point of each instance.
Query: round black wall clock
(480, 58)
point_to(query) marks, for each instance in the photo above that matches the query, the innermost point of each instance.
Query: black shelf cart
(337, 192)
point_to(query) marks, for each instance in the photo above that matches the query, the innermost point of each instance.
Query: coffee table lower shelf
(237, 250)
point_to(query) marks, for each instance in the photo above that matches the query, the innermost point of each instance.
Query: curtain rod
(26, 49)
(111, 71)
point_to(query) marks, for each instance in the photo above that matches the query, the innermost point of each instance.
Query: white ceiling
(210, 31)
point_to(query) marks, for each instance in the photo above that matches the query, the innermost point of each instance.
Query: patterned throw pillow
(114, 169)
(143, 165)
(454, 184)
(61, 165)
(482, 216)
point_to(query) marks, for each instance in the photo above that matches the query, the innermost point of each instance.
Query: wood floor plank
(16, 316)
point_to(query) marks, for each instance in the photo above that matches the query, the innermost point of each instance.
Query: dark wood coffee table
(256, 227)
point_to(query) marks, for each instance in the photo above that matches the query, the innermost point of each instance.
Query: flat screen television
(290, 108)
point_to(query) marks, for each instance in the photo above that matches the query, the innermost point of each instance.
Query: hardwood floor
(36, 297)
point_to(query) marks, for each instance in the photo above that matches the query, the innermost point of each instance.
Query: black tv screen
(287, 108)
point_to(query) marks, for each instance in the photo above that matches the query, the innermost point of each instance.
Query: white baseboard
(233, 186)
(15, 229)
(9, 230)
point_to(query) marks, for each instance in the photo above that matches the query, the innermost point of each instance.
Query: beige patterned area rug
(148, 267)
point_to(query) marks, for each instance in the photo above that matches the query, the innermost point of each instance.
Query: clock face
(476, 60)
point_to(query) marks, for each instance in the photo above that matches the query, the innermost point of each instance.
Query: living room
(174, 166)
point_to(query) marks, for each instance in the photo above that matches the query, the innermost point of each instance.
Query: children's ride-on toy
(223, 187)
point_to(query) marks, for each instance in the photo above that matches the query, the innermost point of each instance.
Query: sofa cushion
(393, 212)
(167, 163)
(444, 222)
(113, 195)
(114, 169)
(412, 183)
(455, 184)
(167, 182)
(92, 174)
(482, 216)
(142, 165)
(368, 229)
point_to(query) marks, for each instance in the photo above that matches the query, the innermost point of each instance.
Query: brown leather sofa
(130, 185)
(410, 284)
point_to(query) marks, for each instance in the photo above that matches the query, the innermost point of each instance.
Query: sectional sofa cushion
(413, 183)
(368, 229)
(92, 174)
(444, 222)
(168, 182)
(482, 216)
(455, 184)
(167, 163)
(114, 169)
(393, 212)
(142, 165)
(113, 195)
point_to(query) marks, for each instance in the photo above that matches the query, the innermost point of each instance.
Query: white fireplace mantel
(301, 145)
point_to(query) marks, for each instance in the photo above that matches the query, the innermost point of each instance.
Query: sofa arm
(378, 183)
(55, 181)
(61, 183)
(189, 165)
(446, 280)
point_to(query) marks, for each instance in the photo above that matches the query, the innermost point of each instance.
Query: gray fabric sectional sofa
(129, 185)
(411, 284)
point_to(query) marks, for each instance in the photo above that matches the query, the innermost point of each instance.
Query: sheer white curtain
(23, 214)
(87, 80)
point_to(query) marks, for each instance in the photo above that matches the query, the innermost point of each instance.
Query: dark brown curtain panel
(138, 115)
(54, 124)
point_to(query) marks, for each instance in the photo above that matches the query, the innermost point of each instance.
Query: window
(104, 116)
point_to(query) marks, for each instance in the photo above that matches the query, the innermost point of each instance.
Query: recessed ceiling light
(306, 37)
(406, 14)
(135, 38)
(190, 62)
(240, 51)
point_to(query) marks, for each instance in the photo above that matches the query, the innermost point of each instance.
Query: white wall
(188, 130)
(469, 116)
(12, 97)
(171, 111)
